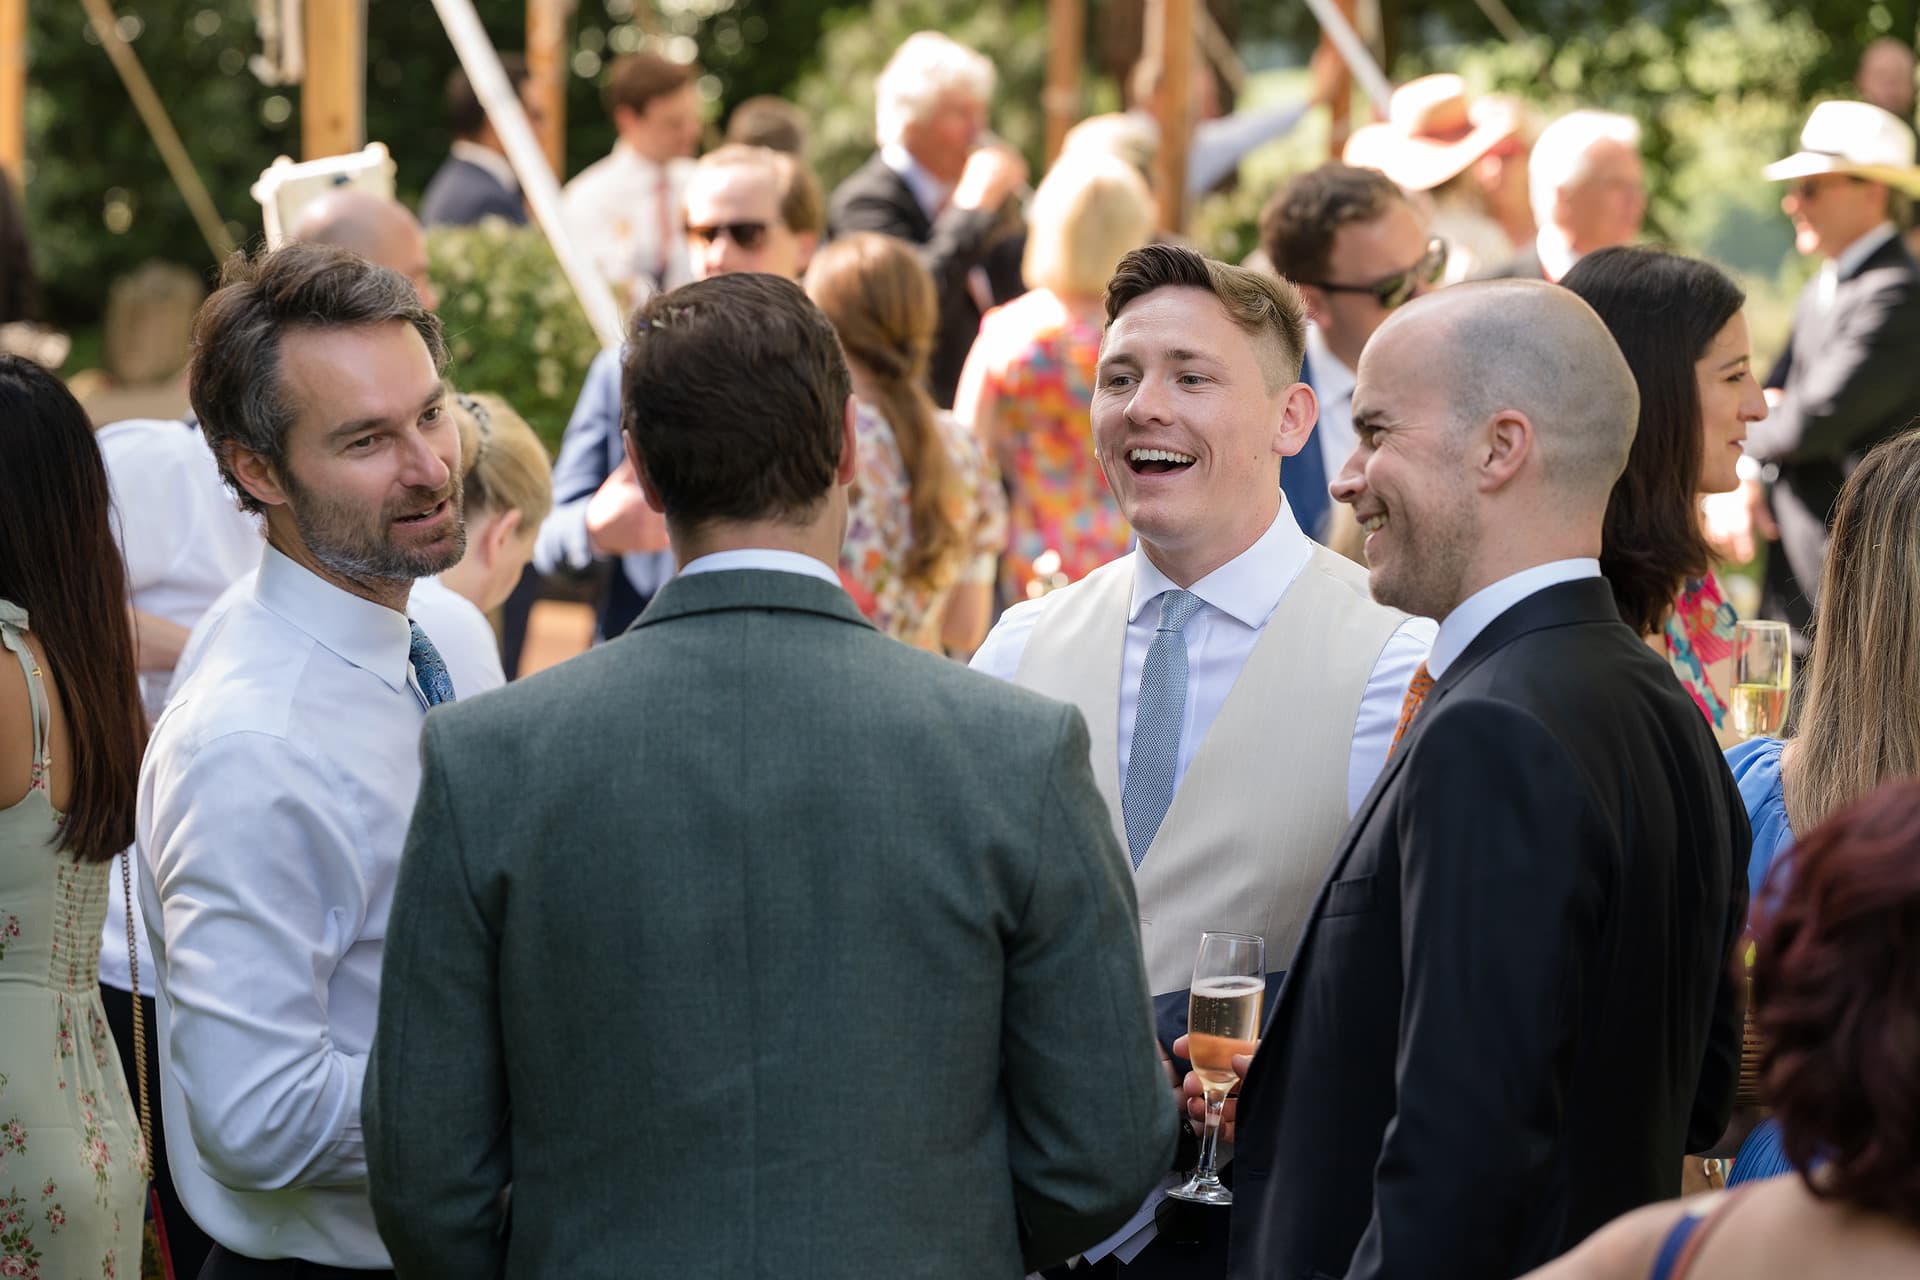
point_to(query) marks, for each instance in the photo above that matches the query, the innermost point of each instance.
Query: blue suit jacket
(1303, 478)
(462, 193)
(591, 451)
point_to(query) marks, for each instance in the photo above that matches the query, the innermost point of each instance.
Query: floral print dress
(71, 1186)
(1699, 633)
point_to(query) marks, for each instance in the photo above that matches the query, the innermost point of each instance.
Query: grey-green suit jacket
(754, 943)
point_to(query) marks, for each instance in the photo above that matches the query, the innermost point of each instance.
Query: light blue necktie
(429, 668)
(1155, 755)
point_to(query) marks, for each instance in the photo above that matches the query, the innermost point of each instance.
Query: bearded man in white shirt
(1240, 685)
(278, 785)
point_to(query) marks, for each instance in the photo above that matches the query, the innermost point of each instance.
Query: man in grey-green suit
(754, 943)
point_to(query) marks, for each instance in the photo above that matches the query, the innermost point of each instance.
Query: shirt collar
(1474, 614)
(1248, 587)
(929, 192)
(762, 558)
(1332, 380)
(368, 635)
(486, 158)
(1855, 255)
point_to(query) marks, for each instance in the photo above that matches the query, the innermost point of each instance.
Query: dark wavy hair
(1665, 311)
(59, 562)
(1836, 996)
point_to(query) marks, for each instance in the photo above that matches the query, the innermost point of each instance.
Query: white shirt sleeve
(1000, 653)
(1380, 705)
(250, 944)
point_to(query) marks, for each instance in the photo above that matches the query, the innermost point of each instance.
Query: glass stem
(1210, 1140)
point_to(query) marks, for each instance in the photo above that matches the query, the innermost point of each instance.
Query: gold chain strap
(139, 1022)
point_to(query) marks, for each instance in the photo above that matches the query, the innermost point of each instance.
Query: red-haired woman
(1836, 993)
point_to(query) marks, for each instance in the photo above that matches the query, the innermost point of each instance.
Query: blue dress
(1756, 768)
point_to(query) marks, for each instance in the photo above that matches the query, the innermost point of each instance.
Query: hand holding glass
(1223, 1019)
(1762, 677)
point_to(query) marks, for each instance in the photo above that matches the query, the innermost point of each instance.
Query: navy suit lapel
(1303, 478)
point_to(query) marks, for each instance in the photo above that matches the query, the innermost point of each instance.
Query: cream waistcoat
(1258, 816)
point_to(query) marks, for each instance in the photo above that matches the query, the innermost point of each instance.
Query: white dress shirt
(612, 208)
(763, 558)
(184, 540)
(274, 801)
(461, 633)
(1474, 614)
(1237, 598)
(1333, 386)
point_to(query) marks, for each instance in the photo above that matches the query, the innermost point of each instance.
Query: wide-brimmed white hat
(1855, 138)
(1431, 133)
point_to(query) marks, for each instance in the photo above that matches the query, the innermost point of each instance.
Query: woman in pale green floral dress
(72, 1185)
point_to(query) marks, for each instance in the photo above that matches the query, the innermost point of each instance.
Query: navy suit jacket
(461, 193)
(1303, 477)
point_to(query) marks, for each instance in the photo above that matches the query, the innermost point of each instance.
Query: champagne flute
(1762, 678)
(1223, 1018)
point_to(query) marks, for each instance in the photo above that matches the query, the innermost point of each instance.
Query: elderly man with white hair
(941, 182)
(1588, 192)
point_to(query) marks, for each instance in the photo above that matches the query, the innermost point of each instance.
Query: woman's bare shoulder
(1625, 1248)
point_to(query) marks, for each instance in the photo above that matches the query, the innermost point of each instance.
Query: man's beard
(339, 537)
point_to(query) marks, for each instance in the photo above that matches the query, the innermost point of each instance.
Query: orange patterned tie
(1416, 694)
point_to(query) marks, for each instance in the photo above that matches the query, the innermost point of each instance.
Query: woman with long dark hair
(71, 731)
(1680, 324)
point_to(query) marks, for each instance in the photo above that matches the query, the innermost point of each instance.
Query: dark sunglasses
(748, 235)
(1395, 290)
(1808, 188)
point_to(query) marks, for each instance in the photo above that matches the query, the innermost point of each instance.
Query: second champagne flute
(1223, 1018)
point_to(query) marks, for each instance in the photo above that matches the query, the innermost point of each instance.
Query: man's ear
(1503, 448)
(647, 491)
(1299, 410)
(255, 474)
(499, 531)
(849, 452)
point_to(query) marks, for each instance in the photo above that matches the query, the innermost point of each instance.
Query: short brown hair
(802, 207)
(465, 116)
(1836, 999)
(234, 378)
(638, 78)
(1298, 226)
(767, 120)
(733, 396)
(1267, 308)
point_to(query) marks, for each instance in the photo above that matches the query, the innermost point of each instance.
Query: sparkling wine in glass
(1223, 1018)
(1762, 678)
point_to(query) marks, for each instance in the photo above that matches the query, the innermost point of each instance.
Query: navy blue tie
(429, 668)
(1154, 757)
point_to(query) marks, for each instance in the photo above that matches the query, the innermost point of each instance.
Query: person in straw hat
(1467, 157)
(1845, 382)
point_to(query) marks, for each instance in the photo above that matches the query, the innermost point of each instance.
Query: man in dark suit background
(1356, 248)
(821, 999)
(1846, 381)
(934, 184)
(1512, 1010)
(475, 181)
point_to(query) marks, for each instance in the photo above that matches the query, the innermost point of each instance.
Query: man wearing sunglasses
(1846, 381)
(747, 209)
(1356, 249)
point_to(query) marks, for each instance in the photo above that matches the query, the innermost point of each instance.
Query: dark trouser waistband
(224, 1264)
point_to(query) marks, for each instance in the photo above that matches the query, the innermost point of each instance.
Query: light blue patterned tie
(1155, 754)
(429, 668)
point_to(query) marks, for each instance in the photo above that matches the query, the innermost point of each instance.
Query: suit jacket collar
(1876, 244)
(730, 589)
(880, 175)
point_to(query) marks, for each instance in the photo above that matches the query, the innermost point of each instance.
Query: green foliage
(838, 96)
(513, 326)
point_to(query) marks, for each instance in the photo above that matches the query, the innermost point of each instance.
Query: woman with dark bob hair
(1679, 323)
(1836, 995)
(71, 729)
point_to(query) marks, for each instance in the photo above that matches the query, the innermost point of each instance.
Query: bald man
(380, 230)
(1511, 1012)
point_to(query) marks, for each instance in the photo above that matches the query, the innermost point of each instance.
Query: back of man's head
(379, 229)
(734, 399)
(767, 120)
(465, 116)
(1528, 347)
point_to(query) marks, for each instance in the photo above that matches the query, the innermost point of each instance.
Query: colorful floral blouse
(873, 558)
(1036, 363)
(1700, 633)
